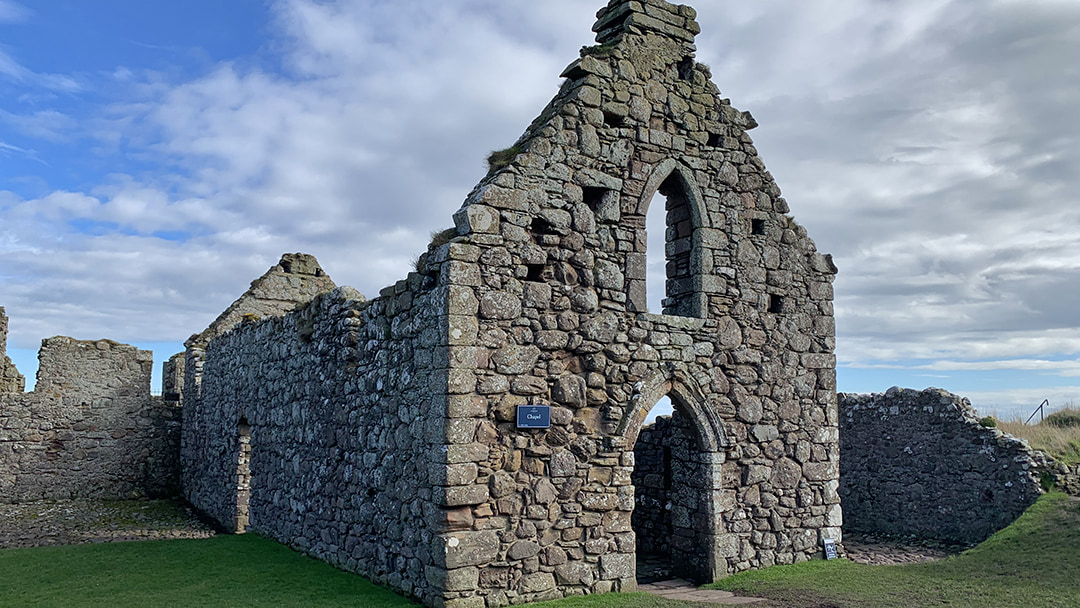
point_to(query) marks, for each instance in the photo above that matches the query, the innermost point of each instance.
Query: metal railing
(1041, 411)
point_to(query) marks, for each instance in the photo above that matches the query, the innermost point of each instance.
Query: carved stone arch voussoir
(688, 397)
(694, 199)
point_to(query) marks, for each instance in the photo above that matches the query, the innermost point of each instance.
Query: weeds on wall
(1058, 435)
(500, 159)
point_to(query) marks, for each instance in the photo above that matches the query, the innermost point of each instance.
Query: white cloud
(12, 12)
(14, 71)
(931, 146)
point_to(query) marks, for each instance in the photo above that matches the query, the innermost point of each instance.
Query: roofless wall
(382, 435)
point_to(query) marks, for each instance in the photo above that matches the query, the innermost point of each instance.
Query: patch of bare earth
(882, 550)
(72, 522)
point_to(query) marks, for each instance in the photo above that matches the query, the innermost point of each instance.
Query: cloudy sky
(155, 157)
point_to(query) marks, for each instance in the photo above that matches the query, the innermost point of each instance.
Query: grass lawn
(236, 571)
(1033, 563)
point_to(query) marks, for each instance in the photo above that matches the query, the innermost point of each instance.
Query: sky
(156, 157)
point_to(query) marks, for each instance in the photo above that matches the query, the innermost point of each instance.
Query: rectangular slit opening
(776, 304)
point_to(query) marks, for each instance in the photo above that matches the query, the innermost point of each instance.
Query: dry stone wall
(344, 402)
(919, 462)
(89, 429)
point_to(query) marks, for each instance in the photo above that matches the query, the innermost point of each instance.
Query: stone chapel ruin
(380, 435)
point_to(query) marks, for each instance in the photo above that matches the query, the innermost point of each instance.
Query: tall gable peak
(621, 17)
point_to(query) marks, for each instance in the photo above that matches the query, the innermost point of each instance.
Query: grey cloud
(931, 146)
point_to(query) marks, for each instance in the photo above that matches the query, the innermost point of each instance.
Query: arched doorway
(677, 483)
(243, 476)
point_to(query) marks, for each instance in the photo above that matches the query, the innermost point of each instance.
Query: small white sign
(830, 548)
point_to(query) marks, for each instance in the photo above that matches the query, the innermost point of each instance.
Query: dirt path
(71, 522)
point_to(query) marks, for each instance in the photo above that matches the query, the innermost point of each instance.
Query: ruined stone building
(921, 463)
(391, 436)
(89, 429)
(381, 435)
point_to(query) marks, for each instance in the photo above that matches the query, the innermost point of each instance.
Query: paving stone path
(72, 522)
(679, 589)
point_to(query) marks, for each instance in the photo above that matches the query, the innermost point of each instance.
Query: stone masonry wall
(11, 381)
(382, 434)
(89, 429)
(345, 401)
(292, 282)
(172, 377)
(548, 274)
(919, 462)
(652, 479)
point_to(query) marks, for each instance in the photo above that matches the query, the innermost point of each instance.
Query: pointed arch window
(672, 281)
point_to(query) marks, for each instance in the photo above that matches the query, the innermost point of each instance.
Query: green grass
(1035, 562)
(238, 571)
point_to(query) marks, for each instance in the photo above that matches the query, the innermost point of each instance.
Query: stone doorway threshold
(679, 589)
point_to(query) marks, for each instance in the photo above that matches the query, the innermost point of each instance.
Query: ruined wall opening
(243, 476)
(670, 226)
(674, 477)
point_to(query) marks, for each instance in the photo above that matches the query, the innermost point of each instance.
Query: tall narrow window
(243, 476)
(656, 245)
(669, 245)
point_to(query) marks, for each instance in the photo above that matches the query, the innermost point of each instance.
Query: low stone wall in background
(89, 429)
(919, 462)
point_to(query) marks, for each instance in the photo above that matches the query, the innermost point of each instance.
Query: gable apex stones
(640, 16)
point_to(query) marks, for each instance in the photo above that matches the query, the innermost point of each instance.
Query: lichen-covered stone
(362, 413)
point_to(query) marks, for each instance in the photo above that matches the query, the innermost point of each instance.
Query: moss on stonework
(600, 51)
(500, 159)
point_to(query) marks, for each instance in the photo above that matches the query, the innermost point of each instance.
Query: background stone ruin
(89, 429)
(919, 463)
(11, 381)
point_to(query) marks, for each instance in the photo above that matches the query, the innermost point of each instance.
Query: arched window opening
(669, 230)
(243, 476)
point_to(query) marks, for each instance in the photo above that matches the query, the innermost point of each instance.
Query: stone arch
(686, 394)
(692, 473)
(686, 214)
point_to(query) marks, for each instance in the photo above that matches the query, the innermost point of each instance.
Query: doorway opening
(674, 520)
(243, 477)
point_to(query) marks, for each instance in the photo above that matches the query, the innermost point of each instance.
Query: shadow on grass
(242, 570)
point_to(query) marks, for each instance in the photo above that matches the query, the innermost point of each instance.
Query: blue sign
(533, 416)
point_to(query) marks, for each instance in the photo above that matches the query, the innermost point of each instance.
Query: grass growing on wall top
(1057, 435)
(1035, 562)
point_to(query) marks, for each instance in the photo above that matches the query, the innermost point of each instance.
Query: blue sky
(156, 157)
